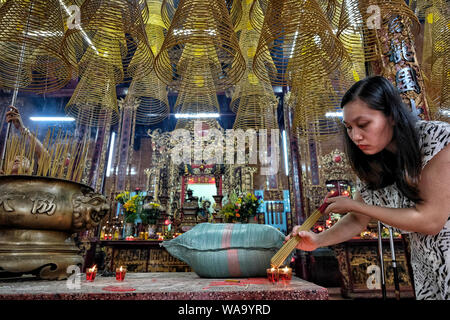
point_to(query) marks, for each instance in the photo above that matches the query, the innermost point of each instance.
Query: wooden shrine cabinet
(359, 264)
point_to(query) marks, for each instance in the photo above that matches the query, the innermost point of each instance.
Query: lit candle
(285, 275)
(120, 273)
(90, 273)
(273, 275)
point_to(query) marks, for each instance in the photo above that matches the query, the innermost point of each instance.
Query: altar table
(159, 286)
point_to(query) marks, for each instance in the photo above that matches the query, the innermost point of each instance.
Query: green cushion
(224, 250)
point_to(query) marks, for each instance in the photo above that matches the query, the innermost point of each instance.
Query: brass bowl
(38, 215)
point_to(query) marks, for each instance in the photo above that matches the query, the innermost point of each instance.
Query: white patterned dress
(430, 255)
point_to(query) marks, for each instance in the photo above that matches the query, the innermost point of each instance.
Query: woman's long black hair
(385, 168)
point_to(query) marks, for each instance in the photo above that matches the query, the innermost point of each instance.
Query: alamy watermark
(213, 147)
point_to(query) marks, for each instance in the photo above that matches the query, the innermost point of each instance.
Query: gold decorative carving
(335, 166)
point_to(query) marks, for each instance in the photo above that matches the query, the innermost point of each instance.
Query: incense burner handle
(88, 209)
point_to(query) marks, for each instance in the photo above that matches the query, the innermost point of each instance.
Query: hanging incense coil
(236, 11)
(191, 103)
(111, 32)
(150, 91)
(256, 14)
(30, 37)
(309, 45)
(153, 102)
(256, 112)
(253, 99)
(155, 18)
(200, 30)
(201, 100)
(311, 100)
(250, 84)
(168, 8)
(94, 100)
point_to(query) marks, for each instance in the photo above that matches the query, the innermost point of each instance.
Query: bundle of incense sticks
(63, 157)
(282, 254)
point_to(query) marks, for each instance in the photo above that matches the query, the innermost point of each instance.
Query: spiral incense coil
(155, 18)
(311, 100)
(309, 45)
(256, 14)
(331, 9)
(104, 36)
(250, 85)
(150, 91)
(202, 100)
(253, 99)
(94, 101)
(256, 112)
(168, 8)
(236, 11)
(200, 30)
(30, 37)
(153, 102)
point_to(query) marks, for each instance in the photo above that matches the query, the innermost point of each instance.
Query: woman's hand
(13, 116)
(308, 242)
(341, 205)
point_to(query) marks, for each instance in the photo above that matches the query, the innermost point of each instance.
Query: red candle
(272, 275)
(120, 273)
(285, 275)
(90, 274)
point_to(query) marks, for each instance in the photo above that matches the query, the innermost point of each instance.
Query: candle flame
(93, 268)
(120, 268)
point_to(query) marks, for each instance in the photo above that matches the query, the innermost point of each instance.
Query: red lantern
(167, 222)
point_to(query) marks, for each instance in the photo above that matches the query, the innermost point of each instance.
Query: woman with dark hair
(403, 166)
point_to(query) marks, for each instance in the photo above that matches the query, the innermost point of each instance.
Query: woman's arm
(14, 117)
(428, 217)
(349, 226)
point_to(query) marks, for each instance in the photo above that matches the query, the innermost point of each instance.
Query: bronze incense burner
(38, 215)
